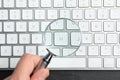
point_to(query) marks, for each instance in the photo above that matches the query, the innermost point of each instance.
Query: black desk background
(75, 75)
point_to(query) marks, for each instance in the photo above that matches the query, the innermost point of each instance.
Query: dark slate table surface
(75, 75)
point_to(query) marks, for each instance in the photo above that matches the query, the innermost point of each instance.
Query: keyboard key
(8, 3)
(31, 50)
(24, 38)
(114, 13)
(2, 39)
(9, 26)
(81, 51)
(58, 3)
(46, 3)
(52, 14)
(21, 26)
(56, 51)
(37, 39)
(1, 27)
(61, 38)
(40, 14)
(84, 26)
(33, 3)
(4, 62)
(65, 14)
(94, 62)
(103, 13)
(118, 62)
(93, 50)
(68, 52)
(112, 38)
(21, 3)
(96, 3)
(3, 14)
(27, 14)
(6, 50)
(90, 14)
(75, 38)
(68, 63)
(118, 3)
(109, 63)
(117, 50)
(48, 38)
(99, 38)
(109, 3)
(96, 26)
(0, 3)
(71, 3)
(72, 25)
(118, 26)
(83, 3)
(109, 26)
(18, 50)
(15, 14)
(86, 38)
(44, 25)
(42, 50)
(106, 50)
(34, 26)
(13, 62)
(77, 14)
(57, 25)
(12, 38)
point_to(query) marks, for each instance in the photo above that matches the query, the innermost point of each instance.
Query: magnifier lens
(62, 37)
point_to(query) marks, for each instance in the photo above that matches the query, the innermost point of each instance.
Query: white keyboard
(22, 23)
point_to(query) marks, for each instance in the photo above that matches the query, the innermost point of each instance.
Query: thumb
(41, 74)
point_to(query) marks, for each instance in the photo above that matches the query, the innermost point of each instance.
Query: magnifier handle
(44, 64)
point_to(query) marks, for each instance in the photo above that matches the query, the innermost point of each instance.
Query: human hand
(25, 67)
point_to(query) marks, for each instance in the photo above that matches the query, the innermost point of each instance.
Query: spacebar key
(67, 63)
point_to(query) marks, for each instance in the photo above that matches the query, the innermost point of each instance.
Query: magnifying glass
(62, 37)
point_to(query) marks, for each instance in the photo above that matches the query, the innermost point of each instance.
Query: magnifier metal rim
(44, 40)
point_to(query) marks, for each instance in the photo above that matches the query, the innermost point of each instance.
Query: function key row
(58, 3)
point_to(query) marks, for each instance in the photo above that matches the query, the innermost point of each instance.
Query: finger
(26, 65)
(41, 74)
